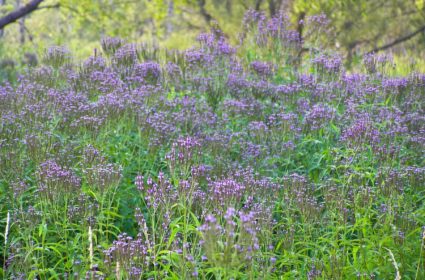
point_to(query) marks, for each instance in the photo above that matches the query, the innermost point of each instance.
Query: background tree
(359, 26)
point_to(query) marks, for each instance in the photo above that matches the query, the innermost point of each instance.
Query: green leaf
(419, 4)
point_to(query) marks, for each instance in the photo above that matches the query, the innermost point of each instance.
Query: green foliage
(354, 238)
(358, 26)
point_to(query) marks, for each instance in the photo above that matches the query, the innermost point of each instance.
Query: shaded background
(357, 26)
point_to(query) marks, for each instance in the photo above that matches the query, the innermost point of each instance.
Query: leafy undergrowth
(218, 162)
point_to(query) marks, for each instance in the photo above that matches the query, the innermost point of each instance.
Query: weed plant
(255, 161)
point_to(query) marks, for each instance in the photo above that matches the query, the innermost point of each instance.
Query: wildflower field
(264, 159)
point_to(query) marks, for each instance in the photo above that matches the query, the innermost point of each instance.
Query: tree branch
(399, 40)
(20, 12)
(55, 6)
(207, 17)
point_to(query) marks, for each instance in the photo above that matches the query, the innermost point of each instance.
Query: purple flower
(262, 69)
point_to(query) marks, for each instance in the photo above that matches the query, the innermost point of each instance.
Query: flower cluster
(255, 161)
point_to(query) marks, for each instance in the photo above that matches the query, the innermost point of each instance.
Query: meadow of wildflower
(265, 159)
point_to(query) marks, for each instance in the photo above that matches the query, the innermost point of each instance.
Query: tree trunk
(300, 30)
(21, 24)
(229, 7)
(170, 17)
(258, 4)
(272, 7)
